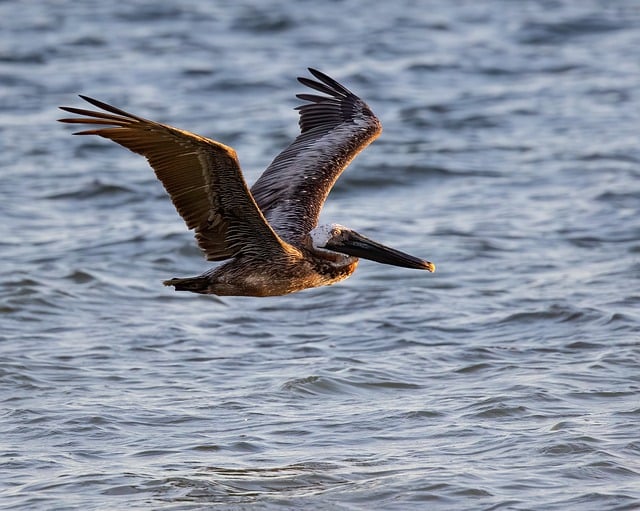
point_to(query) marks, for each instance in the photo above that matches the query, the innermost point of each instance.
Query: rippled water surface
(509, 379)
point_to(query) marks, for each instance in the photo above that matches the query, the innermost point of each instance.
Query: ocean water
(509, 379)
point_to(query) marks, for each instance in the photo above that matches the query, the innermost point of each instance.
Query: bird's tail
(194, 284)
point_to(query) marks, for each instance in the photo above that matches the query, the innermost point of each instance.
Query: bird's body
(268, 234)
(294, 271)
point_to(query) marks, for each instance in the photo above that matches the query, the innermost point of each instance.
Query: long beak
(357, 245)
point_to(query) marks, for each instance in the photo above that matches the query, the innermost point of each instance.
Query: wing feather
(202, 177)
(333, 129)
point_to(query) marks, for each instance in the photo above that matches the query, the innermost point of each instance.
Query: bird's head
(337, 238)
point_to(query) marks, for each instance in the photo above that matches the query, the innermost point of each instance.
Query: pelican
(269, 235)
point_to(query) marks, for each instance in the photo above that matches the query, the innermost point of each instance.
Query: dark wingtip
(91, 100)
(319, 74)
(114, 115)
(324, 78)
(313, 71)
(325, 84)
(106, 106)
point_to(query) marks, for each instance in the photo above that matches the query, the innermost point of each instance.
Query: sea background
(510, 157)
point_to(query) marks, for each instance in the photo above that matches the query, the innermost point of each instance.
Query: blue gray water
(509, 379)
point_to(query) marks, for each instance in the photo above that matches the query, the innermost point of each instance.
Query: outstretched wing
(334, 129)
(202, 177)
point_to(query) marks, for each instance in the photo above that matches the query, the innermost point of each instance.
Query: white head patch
(321, 235)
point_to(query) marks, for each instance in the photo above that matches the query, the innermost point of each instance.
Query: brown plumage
(269, 233)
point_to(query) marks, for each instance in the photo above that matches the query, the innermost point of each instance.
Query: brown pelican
(269, 234)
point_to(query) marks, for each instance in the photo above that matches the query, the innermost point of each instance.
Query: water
(509, 379)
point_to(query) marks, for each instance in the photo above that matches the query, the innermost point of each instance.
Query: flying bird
(269, 235)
